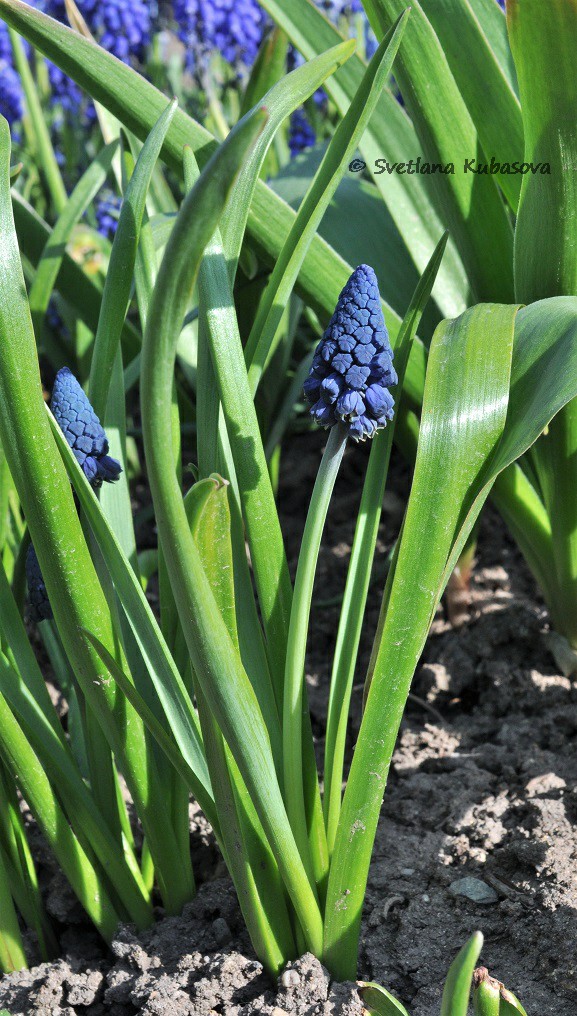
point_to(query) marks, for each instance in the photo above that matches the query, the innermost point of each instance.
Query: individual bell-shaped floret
(352, 369)
(82, 429)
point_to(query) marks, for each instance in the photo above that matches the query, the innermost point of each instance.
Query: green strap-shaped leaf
(471, 204)
(36, 123)
(247, 853)
(545, 37)
(543, 380)
(510, 1005)
(23, 877)
(268, 68)
(472, 33)
(457, 990)
(379, 1002)
(486, 994)
(543, 40)
(281, 100)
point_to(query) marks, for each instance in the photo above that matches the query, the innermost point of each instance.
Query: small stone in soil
(475, 890)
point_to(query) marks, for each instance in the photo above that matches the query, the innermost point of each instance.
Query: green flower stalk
(348, 390)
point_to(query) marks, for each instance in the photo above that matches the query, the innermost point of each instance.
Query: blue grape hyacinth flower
(82, 429)
(352, 369)
(39, 604)
(301, 134)
(11, 98)
(233, 28)
(107, 214)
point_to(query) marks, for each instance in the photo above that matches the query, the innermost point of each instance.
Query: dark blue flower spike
(82, 429)
(40, 609)
(352, 369)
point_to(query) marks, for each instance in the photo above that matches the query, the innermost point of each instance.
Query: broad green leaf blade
(455, 1001)
(53, 254)
(470, 44)
(222, 369)
(23, 877)
(543, 39)
(523, 512)
(268, 68)
(464, 412)
(545, 253)
(390, 137)
(12, 952)
(495, 30)
(543, 382)
(251, 864)
(471, 204)
(221, 354)
(138, 105)
(215, 661)
(379, 1002)
(22, 655)
(339, 152)
(543, 373)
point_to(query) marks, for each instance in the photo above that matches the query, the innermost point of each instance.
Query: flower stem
(297, 639)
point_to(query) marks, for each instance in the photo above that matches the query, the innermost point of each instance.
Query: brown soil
(478, 830)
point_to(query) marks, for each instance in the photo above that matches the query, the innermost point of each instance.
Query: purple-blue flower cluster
(39, 605)
(107, 212)
(122, 27)
(352, 369)
(85, 435)
(301, 133)
(82, 429)
(11, 103)
(233, 28)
